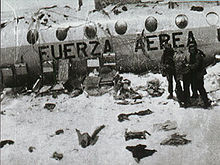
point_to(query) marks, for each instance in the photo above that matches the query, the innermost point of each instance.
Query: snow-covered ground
(28, 123)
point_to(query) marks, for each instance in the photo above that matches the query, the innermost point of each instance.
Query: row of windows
(151, 24)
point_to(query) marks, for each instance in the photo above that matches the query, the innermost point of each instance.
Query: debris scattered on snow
(49, 106)
(51, 90)
(57, 156)
(123, 90)
(142, 5)
(76, 93)
(91, 82)
(136, 102)
(136, 135)
(124, 8)
(5, 92)
(37, 85)
(60, 131)
(31, 149)
(4, 142)
(44, 89)
(98, 91)
(153, 88)
(92, 86)
(166, 126)
(107, 76)
(126, 102)
(2, 112)
(123, 102)
(116, 11)
(67, 6)
(175, 140)
(85, 139)
(72, 84)
(123, 116)
(140, 152)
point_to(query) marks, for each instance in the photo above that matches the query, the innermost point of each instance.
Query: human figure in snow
(168, 69)
(195, 76)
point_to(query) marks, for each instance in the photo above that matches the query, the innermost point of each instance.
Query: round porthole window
(181, 21)
(212, 18)
(32, 36)
(121, 27)
(61, 33)
(90, 31)
(151, 24)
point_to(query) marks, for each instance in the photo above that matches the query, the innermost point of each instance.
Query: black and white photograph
(110, 82)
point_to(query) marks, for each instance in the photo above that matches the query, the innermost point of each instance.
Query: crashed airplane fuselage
(134, 34)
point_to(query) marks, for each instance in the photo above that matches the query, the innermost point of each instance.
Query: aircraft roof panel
(63, 17)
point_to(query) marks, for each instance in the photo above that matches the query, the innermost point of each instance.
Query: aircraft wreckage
(127, 37)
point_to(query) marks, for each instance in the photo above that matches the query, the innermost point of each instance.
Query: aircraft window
(151, 24)
(121, 27)
(181, 21)
(90, 31)
(212, 18)
(32, 36)
(61, 33)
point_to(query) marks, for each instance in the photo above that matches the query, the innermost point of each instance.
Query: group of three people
(191, 71)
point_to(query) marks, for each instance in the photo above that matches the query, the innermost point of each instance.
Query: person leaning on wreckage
(168, 70)
(195, 76)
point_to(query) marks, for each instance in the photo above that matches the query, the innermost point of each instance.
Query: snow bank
(28, 124)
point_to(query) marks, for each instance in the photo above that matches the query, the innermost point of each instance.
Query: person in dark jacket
(168, 69)
(195, 78)
(193, 84)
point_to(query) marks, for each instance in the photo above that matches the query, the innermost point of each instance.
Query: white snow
(28, 124)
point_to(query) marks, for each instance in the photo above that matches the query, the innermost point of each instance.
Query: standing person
(193, 84)
(186, 73)
(168, 70)
(196, 75)
(180, 72)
